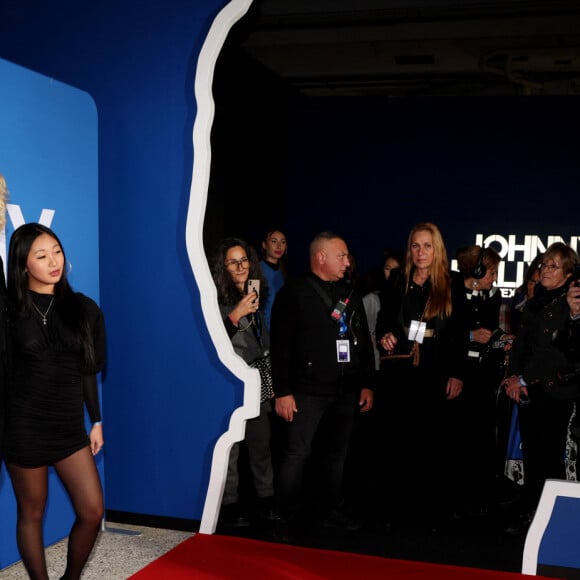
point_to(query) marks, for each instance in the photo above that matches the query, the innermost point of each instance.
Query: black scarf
(543, 296)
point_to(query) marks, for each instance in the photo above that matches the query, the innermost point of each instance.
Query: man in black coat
(322, 363)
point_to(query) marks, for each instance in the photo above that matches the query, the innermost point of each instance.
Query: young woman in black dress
(57, 347)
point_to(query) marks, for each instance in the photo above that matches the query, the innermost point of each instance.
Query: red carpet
(208, 557)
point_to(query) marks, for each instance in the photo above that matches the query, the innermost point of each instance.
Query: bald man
(323, 362)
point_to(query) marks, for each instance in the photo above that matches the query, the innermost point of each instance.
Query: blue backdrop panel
(167, 397)
(500, 165)
(559, 545)
(48, 155)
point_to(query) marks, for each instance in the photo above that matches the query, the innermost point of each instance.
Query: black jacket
(444, 353)
(480, 309)
(250, 338)
(544, 340)
(303, 339)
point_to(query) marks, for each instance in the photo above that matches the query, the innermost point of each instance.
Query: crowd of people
(428, 353)
(421, 376)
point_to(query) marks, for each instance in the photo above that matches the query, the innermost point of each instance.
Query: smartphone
(254, 286)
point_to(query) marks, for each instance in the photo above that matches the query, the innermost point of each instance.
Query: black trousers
(544, 428)
(418, 442)
(257, 441)
(481, 421)
(318, 437)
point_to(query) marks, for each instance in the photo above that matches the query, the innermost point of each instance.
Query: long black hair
(66, 301)
(228, 292)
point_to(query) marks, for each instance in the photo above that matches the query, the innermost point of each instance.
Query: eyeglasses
(550, 267)
(233, 265)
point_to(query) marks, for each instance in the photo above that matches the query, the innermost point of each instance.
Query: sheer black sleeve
(91, 397)
(90, 390)
(99, 340)
(97, 327)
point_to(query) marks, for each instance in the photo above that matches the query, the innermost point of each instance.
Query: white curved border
(210, 50)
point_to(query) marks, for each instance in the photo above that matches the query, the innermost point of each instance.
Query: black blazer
(449, 344)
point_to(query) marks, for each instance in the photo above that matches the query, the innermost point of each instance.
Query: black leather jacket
(539, 351)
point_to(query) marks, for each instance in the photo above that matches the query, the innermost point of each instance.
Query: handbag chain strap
(415, 351)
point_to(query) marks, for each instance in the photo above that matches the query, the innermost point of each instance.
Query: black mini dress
(48, 387)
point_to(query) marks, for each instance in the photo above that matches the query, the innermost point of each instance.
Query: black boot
(233, 516)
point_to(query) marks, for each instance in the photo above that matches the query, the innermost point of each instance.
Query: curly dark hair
(228, 293)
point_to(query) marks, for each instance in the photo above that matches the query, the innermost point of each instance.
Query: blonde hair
(439, 303)
(3, 199)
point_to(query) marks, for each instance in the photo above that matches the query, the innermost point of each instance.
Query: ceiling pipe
(507, 71)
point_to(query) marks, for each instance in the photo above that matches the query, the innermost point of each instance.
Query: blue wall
(166, 397)
(61, 192)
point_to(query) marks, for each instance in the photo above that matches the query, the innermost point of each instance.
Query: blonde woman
(423, 346)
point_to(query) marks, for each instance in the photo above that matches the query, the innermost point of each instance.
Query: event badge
(417, 331)
(342, 351)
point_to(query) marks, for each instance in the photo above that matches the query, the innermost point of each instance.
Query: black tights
(79, 475)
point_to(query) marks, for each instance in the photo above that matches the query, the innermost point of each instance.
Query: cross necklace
(43, 316)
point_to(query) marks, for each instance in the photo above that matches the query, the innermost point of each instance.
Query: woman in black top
(482, 418)
(539, 353)
(419, 314)
(57, 347)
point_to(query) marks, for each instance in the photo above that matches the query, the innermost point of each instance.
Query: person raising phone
(536, 358)
(234, 266)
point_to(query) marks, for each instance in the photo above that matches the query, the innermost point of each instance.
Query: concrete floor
(121, 550)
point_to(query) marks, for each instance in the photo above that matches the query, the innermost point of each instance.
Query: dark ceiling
(328, 48)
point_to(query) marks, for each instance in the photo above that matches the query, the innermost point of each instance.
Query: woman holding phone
(539, 353)
(241, 289)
